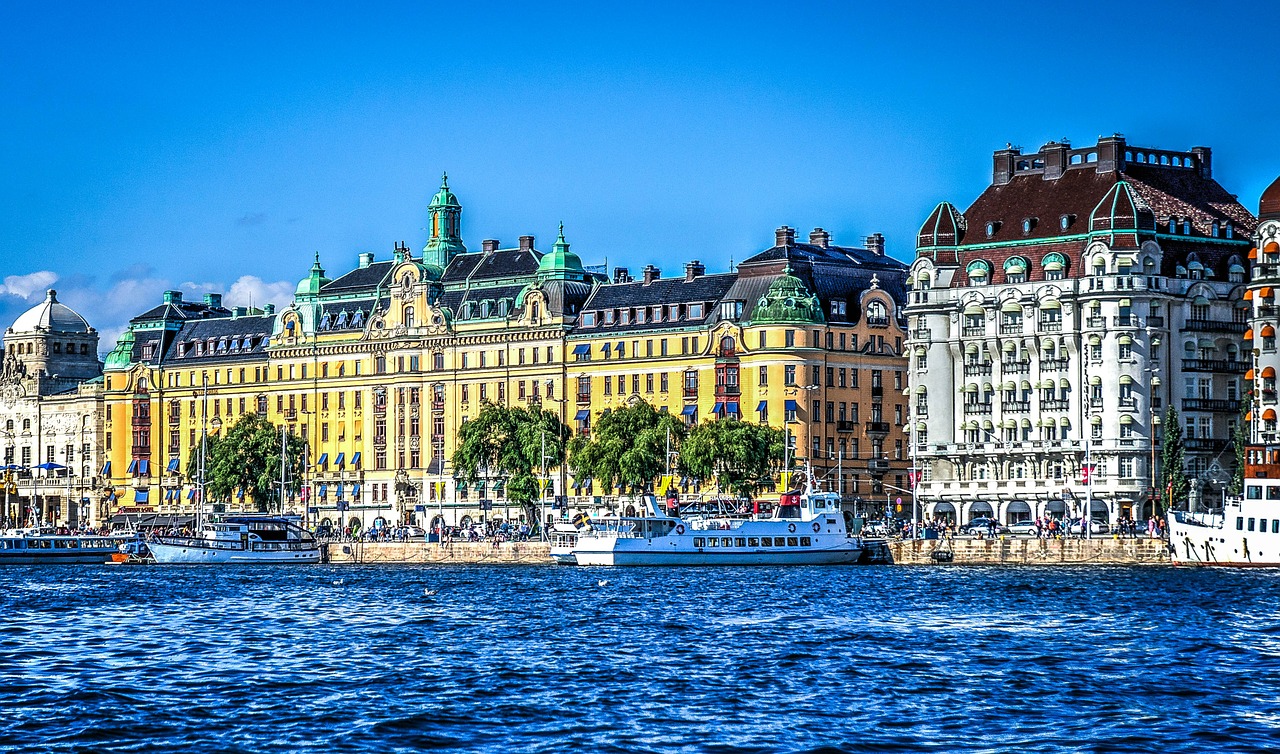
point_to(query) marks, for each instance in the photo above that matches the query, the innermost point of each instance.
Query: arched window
(979, 272)
(408, 316)
(926, 282)
(437, 361)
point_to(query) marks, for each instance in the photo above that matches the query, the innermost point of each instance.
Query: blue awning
(339, 491)
(718, 409)
(689, 410)
(355, 459)
(621, 348)
(144, 466)
(792, 406)
(133, 467)
(581, 349)
(355, 491)
(582, 414)
(112, 497)
(191, 494)
(764, 406)
(140, 496)
(731, 407)
(324, 490)
(106, 469)
(323, 459)
(340, 460)
(172, 468)
(606, 347)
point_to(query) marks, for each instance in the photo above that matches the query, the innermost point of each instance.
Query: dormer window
(589, 319)
(1227, 230)
(991, 229)
(1186, 227)
(640, 316)
(1215, 229)
(695, 311)
(609, 316)
(656, 314)
(839, 308)
(624, 317)
(1064, 222)
(1173, 225)
(1028, 224)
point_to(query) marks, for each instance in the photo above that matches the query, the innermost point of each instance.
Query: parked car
(984, 526)
(1024, 529)
(1095, 528)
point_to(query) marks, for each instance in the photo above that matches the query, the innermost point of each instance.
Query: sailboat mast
(283, 449)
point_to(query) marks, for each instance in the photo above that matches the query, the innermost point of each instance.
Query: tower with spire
(446, 237)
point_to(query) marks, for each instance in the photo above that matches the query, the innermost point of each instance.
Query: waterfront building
(378, 367)
(1054, 321)
(1264, 459)
(50, 417)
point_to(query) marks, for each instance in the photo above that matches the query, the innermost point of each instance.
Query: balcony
(1015, 367)
(727, 390)
(920, 334)
(1129, 403)
(1124, 321)
(1016, 407)
(1209, 404)
(877, 321)
(1202, 445)
(877, 391)
(877, 428)
(291, 414)
(1055, 365)
(977, 408)
(1215, 365)
(584, 397)
(1213, 325)
(1155, 321)
(974, 332)
(689, 392)
(1096, 323)
(1055, 405)
(1011, 328)
(977, 370)
(1050, 325)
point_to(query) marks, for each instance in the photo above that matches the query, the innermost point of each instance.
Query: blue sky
(216, 147)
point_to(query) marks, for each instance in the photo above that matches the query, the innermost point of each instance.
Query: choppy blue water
(100, 659)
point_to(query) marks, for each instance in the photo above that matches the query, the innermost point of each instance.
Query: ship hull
(1231, 540)
(193, 554)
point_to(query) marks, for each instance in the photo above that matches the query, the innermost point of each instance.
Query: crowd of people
(1046, 527)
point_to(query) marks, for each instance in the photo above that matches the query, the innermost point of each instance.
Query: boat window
(766, 542)
(1251, 524)
(739, 542)
(713, 542)
(1240, 523)
(699, 542)
(1273, 493)
(778, 542)
(791, 542)
(1254, 492)
(73, 543)
(1262, 524)
(753, 541)
(1275, 526)
(804, 541)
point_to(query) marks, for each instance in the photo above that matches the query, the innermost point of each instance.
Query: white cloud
(26, 286)
(251, 290)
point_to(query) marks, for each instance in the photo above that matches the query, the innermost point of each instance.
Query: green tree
(1173, 479)
(247, 457)
(627, 447)
(506, 444)
(1240, 438)
(741, 456)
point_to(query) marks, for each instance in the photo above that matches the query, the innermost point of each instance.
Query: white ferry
(38, 545)
(1246, 532)
(240, 539)
(805, 529)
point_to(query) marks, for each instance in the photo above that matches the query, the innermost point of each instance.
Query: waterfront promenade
(1007, 551)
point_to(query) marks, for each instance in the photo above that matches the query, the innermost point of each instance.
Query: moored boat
(37, 545)
(239, 539)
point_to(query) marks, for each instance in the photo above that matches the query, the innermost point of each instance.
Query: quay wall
(523, 553)
(1032, 551)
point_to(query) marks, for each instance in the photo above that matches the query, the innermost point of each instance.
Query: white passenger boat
(37, 545)
(1247, 530)
(240, 539)
(805, 529)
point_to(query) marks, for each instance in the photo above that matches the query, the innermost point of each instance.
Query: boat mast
(283, 448)
(204, 450)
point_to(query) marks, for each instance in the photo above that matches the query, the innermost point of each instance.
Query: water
(511, 659)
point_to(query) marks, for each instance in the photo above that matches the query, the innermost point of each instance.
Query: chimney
(1204, 161)
(820, 237)
(1002, 168)
(213, 300)
(1055, 159)
(269, 309)
(489, 245)
(1111, 153)
(621, 275)
(784, 236)
(695, 269)
(173, 297)
(875, 244)
(651, 274)
(526, 243)
(366, 259)
(238, 311)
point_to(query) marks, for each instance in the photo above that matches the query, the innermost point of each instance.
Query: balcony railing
(1124, 321)
(1128, 403)
(1202, 445)
(1054, 365)
(1214, 325)
(1016, 407)
(877, 321)
(1209, 404)
(977, 408)
(584, 397)
(1155, 321)
(1096, 323)
(974, 331)
(1050, 325)
(846, 426)
(880, 428)
(977, 370)
(1054, 405)
(1214, 365)
(1011, 328)
(1015, 367)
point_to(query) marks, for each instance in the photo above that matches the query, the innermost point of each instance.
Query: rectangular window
(789, 374)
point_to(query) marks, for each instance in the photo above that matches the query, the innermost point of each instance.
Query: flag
(1086, 471)
(913, 477)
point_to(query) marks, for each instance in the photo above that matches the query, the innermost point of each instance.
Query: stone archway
(944, 511)
(981, 509)
(1016, 511)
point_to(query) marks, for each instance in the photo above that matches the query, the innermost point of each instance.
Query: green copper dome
(122, 355)
(311, 285)
(788, 301)
(444, 197)
(560, 260)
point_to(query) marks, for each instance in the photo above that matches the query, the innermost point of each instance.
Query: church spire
(446, 237)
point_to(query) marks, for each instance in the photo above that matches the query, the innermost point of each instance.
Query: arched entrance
(1100, 511)
(1055, 509)
(1017, 511)
(945, 512)
(981, 509)
(465, 522)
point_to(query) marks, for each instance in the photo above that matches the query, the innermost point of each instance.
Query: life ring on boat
(817, 527)
(680, 529)
(791, 528)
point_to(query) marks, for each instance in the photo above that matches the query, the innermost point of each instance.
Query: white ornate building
(1054, 322)
(51, 417)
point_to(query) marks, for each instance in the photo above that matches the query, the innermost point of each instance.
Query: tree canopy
(741, 456)
(1173, 478)
(506, 444)
(247, 457)
(1240, 439)
(627, 447)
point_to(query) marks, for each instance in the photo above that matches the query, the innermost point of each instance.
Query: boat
(564, 537)
(134, 552)
(38, 545)
(1246, 531)
(805, 528)
(239, 539)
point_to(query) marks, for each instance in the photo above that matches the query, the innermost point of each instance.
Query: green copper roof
(560, 259)
(445, 241)
(122, 355)
(311, 285)
(444, 197)
(788, 301)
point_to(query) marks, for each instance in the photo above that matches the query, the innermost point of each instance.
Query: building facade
(1054, 322)
(1264, 437)
(51, 415)
(377, 368)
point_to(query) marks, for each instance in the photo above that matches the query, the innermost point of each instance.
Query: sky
(216, 147)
